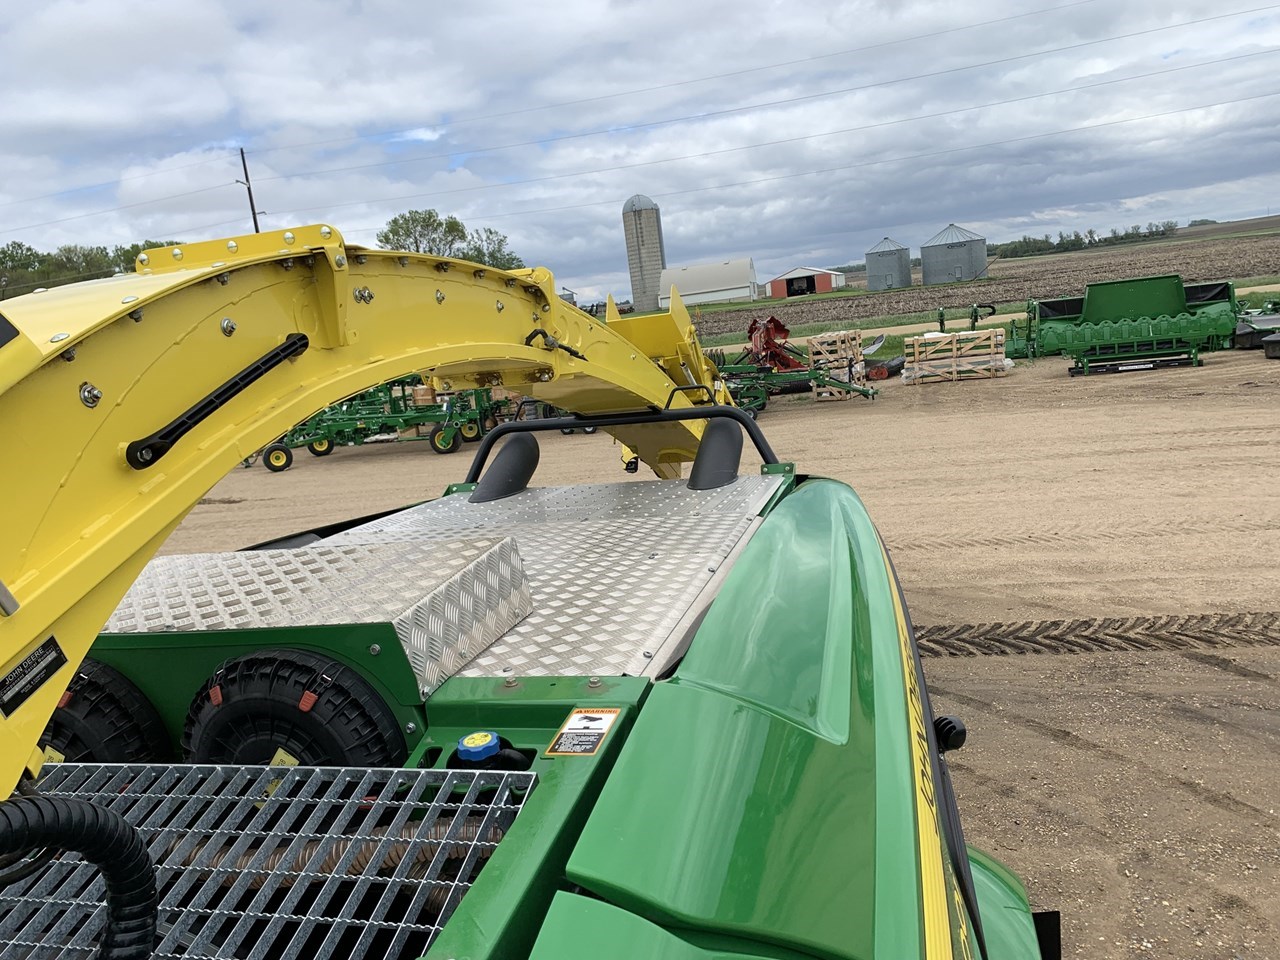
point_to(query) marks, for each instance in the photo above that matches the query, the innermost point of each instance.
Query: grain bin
(954, 254)
(888, 266)
(646, 256)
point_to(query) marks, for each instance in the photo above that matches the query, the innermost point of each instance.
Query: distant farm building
(802, 280)
(722, 282)
(888, 266)
(646, 255)
(954, 254)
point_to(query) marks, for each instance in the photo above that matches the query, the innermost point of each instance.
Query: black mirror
(950, 733)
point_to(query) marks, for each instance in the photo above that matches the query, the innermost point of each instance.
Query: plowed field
(1013, 281)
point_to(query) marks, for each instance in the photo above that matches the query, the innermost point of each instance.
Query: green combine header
(1137, 324)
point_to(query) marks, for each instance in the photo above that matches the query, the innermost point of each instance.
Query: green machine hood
(775, 797)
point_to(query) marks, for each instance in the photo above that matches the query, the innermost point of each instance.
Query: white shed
(710, 282)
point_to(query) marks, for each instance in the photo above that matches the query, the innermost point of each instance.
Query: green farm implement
(1125, 325)
(1255, 326)
(403, 409)
(553, 723)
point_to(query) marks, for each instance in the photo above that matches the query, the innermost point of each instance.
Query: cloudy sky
(795, 134)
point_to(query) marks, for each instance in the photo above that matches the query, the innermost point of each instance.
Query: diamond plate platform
(446, 599)
(258, 863)
(614, 569)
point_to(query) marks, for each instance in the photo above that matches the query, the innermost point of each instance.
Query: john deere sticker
(583, 732)
(29, 675)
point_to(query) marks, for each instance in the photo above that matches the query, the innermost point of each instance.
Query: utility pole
(249, 186)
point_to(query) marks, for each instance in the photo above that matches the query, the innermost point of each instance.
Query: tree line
(1067, 242)
(23, 268)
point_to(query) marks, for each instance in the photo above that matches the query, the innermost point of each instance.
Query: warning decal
(583, 732)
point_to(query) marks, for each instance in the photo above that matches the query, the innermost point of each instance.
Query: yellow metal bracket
(212, 350)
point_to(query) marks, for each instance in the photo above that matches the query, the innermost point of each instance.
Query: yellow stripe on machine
(933, 879)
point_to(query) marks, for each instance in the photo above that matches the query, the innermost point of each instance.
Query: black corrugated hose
(105, 839)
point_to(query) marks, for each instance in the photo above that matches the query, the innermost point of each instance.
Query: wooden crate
(965, 355)
(836, 353)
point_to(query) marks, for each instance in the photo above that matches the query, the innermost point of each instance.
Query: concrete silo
(954, 254)
(646, 256)
(888, 266)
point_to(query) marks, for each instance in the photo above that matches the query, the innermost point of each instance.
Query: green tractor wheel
(470, 430)
(277, 457)
(321, 448)
(444, 440)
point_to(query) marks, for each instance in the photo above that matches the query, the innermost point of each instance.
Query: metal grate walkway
(258, 863)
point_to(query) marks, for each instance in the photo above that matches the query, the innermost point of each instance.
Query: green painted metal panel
(526, 710)
(766, 791)
(171, 667)
(499, 917)
(579, 928)
(1006, 916)
(1139, 297)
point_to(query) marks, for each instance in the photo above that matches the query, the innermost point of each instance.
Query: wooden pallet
(965, 355)
(834, 352)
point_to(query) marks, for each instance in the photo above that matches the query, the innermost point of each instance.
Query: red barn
(803, 280)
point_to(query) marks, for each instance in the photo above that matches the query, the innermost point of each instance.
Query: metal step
(260, 863)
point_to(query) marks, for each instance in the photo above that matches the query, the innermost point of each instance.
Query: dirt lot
(1121, 533)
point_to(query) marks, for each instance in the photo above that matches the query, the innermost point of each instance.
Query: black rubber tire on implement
(438, 445)
(566, 430)
(320, 448)
(104, 718)
(319, 711)
(590, 429)
(277, 458)
(470, 431)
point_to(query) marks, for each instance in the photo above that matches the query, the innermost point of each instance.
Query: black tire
(590, 429)
(104, 718)
(439, 445)
(320, 448)
(317, 710)
(566, 430)
(277, 458)
(750, 412)
(469, 430)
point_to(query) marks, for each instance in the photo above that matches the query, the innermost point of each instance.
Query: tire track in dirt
(1100, 635)
(1084, 533)
(1073, 740)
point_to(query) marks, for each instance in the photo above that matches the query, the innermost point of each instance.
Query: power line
(125, 206)
(613, 130)
(112, 183)
(709, 153)
(569, 103)
(703, 79)
(825, 170)
(694, 117)
(863, 163)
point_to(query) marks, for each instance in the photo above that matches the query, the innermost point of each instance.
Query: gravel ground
(1134, 789)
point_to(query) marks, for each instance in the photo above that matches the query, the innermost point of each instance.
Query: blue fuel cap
(478, 746)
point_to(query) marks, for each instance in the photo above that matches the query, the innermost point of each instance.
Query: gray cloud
(153, 101)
